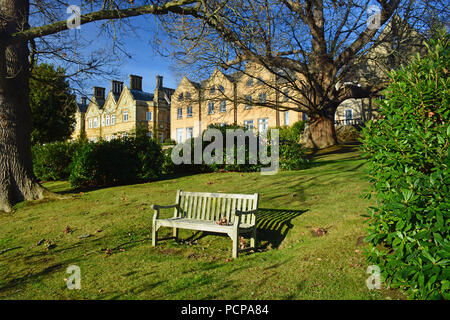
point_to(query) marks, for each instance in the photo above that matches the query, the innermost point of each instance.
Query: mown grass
(117, 260)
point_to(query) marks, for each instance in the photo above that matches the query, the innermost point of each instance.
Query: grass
(117, 260)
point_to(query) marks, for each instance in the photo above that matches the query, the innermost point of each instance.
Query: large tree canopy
(40, 27)
(322, 51)
(52, 103)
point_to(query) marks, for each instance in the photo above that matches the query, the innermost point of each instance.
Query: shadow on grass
(273, 225)
(166, 177)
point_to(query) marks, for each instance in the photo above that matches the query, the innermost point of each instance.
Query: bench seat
(202, 211)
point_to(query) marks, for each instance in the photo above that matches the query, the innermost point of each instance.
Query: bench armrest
(238, 214)
(241, 213)
(158, 207)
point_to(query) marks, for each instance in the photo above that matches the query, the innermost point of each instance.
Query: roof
(141, 95)
(82, 107)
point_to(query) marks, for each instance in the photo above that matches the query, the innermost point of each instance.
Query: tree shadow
(273, 225)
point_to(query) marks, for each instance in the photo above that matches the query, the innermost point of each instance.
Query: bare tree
(319, 52)
(27, 29)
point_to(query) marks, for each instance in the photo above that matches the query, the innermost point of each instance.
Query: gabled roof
(142, 95)
(82, 108)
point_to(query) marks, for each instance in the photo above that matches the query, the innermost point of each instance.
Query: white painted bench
(202, 211)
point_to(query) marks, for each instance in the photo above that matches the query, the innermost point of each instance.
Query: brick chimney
(159, 82)
(116, 87)
(135, 82)
(99, 93)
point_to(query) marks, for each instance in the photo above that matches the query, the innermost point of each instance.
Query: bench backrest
(215, 206)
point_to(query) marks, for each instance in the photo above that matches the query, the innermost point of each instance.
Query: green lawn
(118, 262)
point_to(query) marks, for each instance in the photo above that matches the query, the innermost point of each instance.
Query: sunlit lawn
(117, 260)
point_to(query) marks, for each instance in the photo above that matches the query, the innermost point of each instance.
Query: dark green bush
(119, 161)
(292, 156)
(51, 161)
(407, 150)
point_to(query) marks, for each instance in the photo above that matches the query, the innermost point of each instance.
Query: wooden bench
(202, 211)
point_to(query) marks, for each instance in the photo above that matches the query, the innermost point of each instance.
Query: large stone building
(125, 111)
(244, 98)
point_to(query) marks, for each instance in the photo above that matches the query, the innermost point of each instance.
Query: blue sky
(145, 61)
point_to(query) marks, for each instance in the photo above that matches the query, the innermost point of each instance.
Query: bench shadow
(273, 226)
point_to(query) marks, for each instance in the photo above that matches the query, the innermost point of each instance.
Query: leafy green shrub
(51, 161)
(119, 161)
(407, 149)
(293, 132)
(291, 155)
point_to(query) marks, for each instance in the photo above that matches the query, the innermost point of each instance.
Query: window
(189, 112)
(211, 108)
(223, 106)
(148, 115)
(149, 134)
(179, 113)
(95, 122)
(221, 88)
(108, 138)
(263, 124)
(348, 114)
(260, 80)
(249, 99)
(250, 82)
(90, 123)
(180, 135)
(113, 119)
(180, 96)
(189, 133)
(125, 116)
(262, 98)
(286, 95)
(286, 118)
(188, 95)
(212, 90)
(305, 116)
(248, 124)
(107, 121)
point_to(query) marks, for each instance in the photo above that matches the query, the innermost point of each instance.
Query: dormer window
(180, 97)
(262, 98)
(250, 100)
(250, 82)
(188, 95)
(212, 90)
(125, 116)
(107, 121)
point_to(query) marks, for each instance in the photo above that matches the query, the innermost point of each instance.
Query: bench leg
(235, 245)
(175, 233)
(253, 239)
(154, 234)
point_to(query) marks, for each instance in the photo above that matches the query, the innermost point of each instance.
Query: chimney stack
(99, 93)
(116, 87)
(135, 82)
(83, 100)
(159, 82)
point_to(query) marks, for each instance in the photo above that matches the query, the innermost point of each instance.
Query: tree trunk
(17, 180)
(320, 133)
